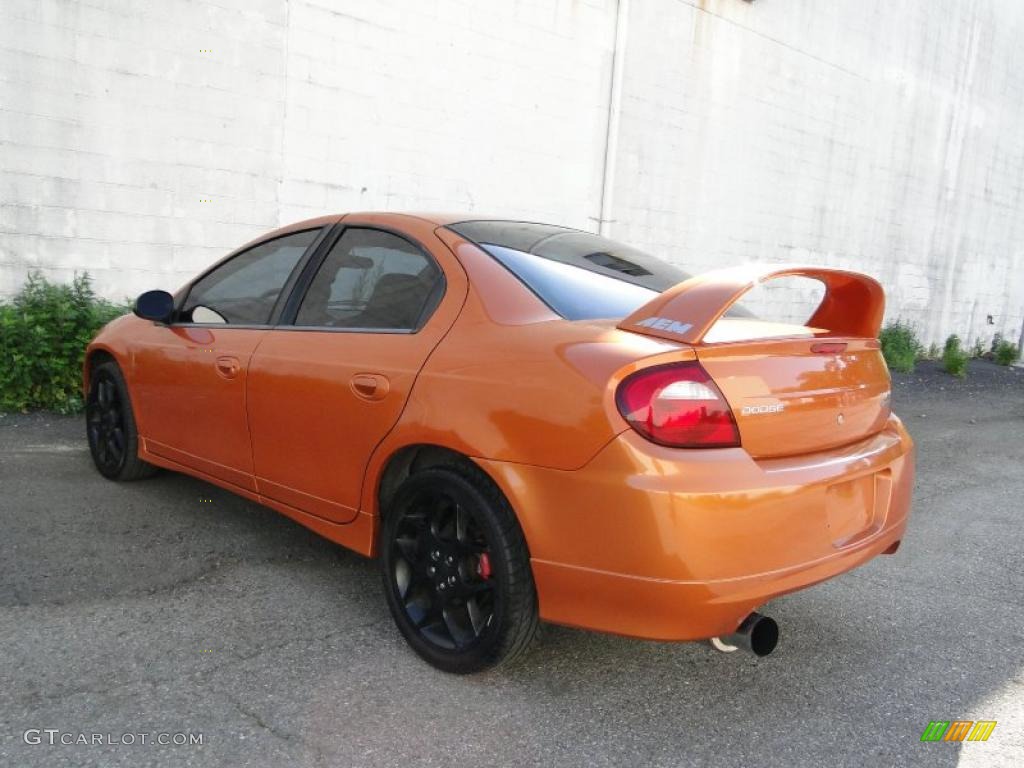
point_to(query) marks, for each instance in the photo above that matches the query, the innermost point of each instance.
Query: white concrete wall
(142, 139)
(884, 137)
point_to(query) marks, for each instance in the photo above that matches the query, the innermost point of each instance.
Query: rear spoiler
(853, 304)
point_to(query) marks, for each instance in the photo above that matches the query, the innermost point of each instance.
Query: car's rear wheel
(456, 571)
(110, 426)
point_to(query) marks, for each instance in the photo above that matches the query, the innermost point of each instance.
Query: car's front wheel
(456, 570)
(110, 426)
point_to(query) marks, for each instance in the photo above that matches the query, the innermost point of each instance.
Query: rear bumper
(681, 545)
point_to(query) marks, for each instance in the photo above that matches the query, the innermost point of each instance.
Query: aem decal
(665, 324)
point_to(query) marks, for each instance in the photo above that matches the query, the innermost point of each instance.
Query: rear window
(579, 275)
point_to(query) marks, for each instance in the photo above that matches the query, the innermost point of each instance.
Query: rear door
(327, 385)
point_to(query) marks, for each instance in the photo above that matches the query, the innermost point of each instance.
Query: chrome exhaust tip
(757, 634)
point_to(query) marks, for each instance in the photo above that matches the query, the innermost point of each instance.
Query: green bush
(1005, 353)
(43, 334)
(954, 359)
(900, 346)
(978, 350)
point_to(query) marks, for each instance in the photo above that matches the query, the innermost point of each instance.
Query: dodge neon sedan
(522, 422)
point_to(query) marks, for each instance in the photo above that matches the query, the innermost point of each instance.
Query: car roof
(440, 219)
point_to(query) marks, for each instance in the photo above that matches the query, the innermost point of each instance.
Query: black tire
(456, 571)
(110, 426)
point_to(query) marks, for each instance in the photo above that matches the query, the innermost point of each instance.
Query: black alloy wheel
(456, 572)
(105, 421)
(442, 570)
(110, 426)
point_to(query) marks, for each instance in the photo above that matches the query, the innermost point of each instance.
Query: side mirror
(157, 306)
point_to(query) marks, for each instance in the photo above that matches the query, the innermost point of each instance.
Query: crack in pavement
(36, 697)
(286, 736)
(185, 582)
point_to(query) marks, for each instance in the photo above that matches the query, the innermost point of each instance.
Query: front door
(190, 388)
(189, 378)
(326, 389)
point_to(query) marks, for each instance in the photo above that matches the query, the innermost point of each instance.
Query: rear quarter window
(579, 275)
(574, 293)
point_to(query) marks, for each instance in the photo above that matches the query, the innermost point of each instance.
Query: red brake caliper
(483, 566)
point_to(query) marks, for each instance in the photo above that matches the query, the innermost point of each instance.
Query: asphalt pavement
(169, 607)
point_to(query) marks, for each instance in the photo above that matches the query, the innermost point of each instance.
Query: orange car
(522, 422)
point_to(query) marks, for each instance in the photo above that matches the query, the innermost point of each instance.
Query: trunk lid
(793, 396)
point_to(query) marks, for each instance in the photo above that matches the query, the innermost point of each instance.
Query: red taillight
(677, 405)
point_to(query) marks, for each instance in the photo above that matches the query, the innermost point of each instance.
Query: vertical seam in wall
(284, 106)
(611, 137)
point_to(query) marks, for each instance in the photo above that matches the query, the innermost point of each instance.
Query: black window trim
(290, 310)
(286, 289)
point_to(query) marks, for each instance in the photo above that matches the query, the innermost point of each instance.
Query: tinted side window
(372, 279)
(244, 290)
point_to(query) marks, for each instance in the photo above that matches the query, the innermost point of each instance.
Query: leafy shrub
(43, 334)
(978, 350)
(900, 346)
(954, 359)
(1005, 353)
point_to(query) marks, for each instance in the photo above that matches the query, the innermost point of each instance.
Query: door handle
(228, 367)
(370, 386)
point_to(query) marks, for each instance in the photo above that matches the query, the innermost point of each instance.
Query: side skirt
(357, 535)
